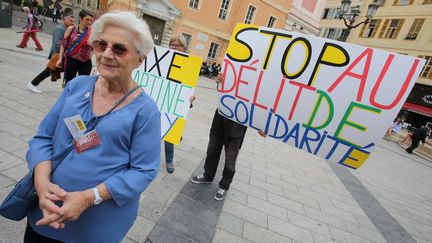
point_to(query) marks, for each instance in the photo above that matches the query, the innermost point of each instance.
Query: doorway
(156, 27)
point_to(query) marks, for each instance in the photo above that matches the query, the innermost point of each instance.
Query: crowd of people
(97, 188)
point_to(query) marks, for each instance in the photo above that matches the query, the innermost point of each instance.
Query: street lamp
(349, 17)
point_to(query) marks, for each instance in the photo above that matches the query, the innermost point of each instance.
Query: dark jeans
(31, 236)
(41, 77)
(74, 66)
(169, 152)
(414, 145)
(214, 149)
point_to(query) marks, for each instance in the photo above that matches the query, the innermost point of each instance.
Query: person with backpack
(30, 31)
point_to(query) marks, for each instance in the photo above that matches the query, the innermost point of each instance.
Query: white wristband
(98, 198)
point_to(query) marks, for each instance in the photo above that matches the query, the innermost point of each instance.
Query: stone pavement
(279, 193)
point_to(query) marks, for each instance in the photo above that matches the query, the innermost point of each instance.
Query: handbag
(53, 61)
(20, 200)
(51, 65)
(23, 196)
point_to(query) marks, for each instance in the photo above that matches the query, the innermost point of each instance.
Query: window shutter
(363, 29)
(383, 29)
(377, 24)
(399, 26)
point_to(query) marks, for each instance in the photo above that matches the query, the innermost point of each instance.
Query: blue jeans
(169, 152)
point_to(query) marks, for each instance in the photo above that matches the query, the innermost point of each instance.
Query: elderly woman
(93, 194)
(177, 43)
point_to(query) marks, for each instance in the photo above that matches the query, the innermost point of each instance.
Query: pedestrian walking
(55, 14)
(30, 31)
(68, 20)
(75, 50)
(223, 133)
(418, 135)
(34, 9)
(94, 195)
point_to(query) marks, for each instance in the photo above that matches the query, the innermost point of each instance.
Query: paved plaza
(279, 193)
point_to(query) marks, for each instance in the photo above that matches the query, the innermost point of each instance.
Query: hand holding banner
(169, 77)
(331, 99)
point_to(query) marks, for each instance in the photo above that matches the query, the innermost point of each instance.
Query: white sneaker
(34, 88)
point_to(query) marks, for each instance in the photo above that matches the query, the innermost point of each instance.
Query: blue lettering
(294, 134)
(222, 99)
(306, 139)
(251, 117)
(279, 119)
(246, 112)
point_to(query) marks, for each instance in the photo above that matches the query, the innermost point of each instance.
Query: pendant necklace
(100, 96)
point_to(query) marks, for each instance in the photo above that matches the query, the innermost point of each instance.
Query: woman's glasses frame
(174, 46)
(117, 49)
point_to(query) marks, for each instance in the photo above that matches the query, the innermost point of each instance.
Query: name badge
(86, 141)
(75, 126)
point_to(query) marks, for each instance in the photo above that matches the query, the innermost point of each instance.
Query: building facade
(304, 16)
(94, 6)
(399, 26)
(207, 25)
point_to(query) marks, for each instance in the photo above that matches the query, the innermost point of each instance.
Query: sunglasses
(117, 49)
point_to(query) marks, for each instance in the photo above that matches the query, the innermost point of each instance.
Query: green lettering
(345, 121)
(315, 111)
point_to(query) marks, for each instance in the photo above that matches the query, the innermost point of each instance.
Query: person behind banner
(223, 133)
(177, 43)
(395, 127)
(68, 20)
(75, 49)
(114, 126)
(420, 134)
(30, 31)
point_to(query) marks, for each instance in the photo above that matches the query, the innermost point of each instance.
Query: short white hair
(180, 39)
(126, 20)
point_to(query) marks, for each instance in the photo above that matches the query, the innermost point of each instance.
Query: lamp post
(350, 17)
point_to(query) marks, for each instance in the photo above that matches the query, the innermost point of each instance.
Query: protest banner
(169, 77)
(332, 99)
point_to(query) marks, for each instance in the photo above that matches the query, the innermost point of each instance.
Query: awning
(423, 110)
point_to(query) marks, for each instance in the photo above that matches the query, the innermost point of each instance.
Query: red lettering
(239, 80)
(258, 86)
(276, 103)
(300, 90)
(362, 77)
(225, 70)
(401, 91)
